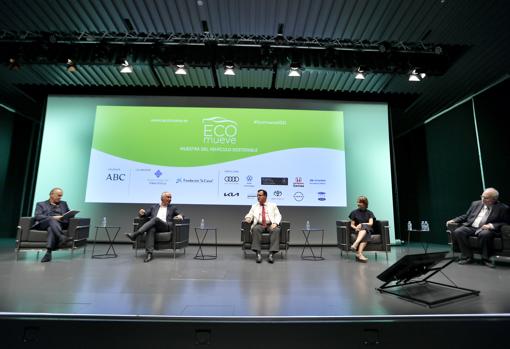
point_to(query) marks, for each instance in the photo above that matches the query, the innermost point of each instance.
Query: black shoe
(148, 258)
(270, 258)
(131, 236)
(46, 257)
(259, 258)
(468, 260)
(488, 263)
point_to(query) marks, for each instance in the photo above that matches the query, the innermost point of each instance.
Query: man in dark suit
(48, 216)
(161, 218)
(484, 219)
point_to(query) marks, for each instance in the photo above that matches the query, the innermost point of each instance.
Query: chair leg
(376, 256)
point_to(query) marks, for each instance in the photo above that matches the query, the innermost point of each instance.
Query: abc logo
(116, 177)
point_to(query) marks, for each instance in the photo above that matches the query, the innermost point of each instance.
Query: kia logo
(231, 194)
(231, 179)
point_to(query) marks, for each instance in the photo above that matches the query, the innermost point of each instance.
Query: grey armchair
(380, 240)
(34, 239)
(178, 239)
(246, 238)
(500, 243)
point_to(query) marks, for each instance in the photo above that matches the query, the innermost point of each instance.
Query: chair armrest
(384, 228)
(449, 230)
(245, 232)
(24, 225)
(342, 233)
(285, 231)
(79, 228)
(181, 230)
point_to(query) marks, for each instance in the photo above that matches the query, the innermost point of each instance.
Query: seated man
(264, 217)
(161, 218)
(48, 216)
(483, 219)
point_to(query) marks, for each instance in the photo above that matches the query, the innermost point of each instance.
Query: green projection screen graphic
(217, 156)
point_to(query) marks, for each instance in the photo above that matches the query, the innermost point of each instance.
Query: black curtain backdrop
(493, 117)
(438, 163)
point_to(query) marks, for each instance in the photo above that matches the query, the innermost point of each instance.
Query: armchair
(34, 239)
(178, 239)
(380, 240)
(246, 238)
(500, 243)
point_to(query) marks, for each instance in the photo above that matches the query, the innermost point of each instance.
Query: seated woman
(362, 221)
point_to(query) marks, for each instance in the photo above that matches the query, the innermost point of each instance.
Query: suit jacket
(499, 214)
(171, 212)
(271, 210)
(43, 210)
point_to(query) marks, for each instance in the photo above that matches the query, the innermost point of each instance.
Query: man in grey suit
(48, 216)
(484, 219)
(161, 218)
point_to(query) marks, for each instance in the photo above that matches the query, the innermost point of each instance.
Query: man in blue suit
(48, 216)
(161, 218)
(484, 219)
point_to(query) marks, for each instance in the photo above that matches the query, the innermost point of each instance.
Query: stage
(230, 286)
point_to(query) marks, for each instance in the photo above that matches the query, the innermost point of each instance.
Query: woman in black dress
(362, 221)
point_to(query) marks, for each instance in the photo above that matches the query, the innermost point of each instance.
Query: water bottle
(202, 224)
(409, 226)
(422, 225)
(307, 225)
(103, 222)
(426, 226)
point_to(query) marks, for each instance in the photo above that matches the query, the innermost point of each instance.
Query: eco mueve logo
(218, 130)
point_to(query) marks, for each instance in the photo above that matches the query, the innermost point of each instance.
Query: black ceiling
(462, 46)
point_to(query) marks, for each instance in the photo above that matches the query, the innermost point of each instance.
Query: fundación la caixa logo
(218, 130)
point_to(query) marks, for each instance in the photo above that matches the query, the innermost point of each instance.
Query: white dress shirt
(484, 212)
(272, 214)
(162, 213)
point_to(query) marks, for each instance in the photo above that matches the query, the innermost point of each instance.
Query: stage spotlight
(71, 66)
(13, 64)
(360, 74)
(180, 70)
(414, 75)
(126, 68)
(295, 70)
(229, 70)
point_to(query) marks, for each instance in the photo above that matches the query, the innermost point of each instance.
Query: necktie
(485, 216)
(263, 215)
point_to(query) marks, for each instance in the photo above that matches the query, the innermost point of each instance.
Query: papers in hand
(70, 214)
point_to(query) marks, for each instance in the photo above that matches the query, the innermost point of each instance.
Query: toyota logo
(231, 179)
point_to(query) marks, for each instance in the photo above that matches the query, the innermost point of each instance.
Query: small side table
(202, 232)
(110, 231)
(424, 244)
(313, 256)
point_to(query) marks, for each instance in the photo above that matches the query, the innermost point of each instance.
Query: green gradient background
(130, 133)
(67, 142)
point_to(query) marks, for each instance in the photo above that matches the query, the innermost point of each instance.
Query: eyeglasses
(485, 197)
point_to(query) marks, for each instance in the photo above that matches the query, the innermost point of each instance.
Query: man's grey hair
(53, 190)
(494, 192)
(163, 194)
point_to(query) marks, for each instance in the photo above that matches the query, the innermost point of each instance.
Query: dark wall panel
(6, 126)
(493, 117)
(412, 178)
(453, 167)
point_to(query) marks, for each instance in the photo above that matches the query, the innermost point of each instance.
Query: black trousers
(274, 237)
(151, 227)
(485, 236)
(55, 231)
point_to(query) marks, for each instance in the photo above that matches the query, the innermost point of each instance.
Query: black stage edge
(55, 331)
